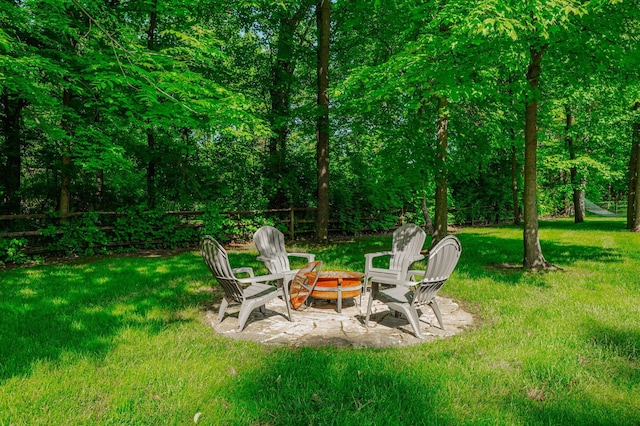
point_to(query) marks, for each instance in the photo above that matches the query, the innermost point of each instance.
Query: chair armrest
(261, 278)
(368, 258)
(246, 270)
(415, 273)
(408, 261)
(309, 256)
(393, 281)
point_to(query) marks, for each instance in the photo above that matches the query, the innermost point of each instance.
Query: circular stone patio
(321, 325)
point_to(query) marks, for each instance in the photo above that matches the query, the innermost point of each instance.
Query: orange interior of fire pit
(328, 281)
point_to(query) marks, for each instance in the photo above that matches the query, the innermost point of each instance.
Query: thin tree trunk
(636, 142)
(151, 139)
(99, 189)
(323, 21)
(533, 258)
(514, 181)
(151, 168)
(425, 213)
(65, 181)
(631, 190)
(12, 129)
(280, 108)
(441, 209)
(515, 198)
(186, 186)
(428, 224)
(632, 193)
(577, 185)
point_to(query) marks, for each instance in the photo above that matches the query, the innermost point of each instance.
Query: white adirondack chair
(408, 296)
(406, 246)
(270, 244)
(256, 293)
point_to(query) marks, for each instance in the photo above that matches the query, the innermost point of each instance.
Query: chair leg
(414, 319)
(287, 302)
(222, 310)
(369, 305)
(363, 290)
(436, 310)
(245, 311)
(411, 313)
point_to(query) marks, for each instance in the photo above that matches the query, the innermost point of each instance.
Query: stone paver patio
(322, 325)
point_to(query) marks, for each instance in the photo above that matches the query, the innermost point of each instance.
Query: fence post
(291, 223)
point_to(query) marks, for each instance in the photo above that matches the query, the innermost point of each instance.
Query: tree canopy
(444, 110)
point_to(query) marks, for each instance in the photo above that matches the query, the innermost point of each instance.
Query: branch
(114, 44)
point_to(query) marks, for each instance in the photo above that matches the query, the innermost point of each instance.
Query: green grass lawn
(123, 340)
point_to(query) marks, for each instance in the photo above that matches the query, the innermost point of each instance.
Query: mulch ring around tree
(321, 325)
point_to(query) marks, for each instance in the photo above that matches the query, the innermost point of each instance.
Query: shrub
(11, 250)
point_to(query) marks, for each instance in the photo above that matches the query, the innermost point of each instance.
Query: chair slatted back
(270, 244)
(443, 259)
(216, 258)
(407, 241)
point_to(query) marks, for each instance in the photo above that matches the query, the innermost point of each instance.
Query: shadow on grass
(602, 224)
(620, 341)
(51, 310)
(328, 386)
(490, 252)
(498, 254)
(618, 348)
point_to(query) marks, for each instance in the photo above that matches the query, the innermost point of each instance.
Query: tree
(323, 22)
(533, 258)
(13, 135)
(442, 134)
(576, 184)
(633, 214)
(281, 92)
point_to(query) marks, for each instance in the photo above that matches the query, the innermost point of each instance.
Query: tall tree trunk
(577, 185)
(635, 225)
(323, 23)
(151, 168)
(632, 193)
(419, 122)
(186, 184)
(12, 129)
(425, 213)
(514, 180)
(441, 209)
(151, 139)
(533, 258)
(99, 196)
(67, 163)
(513, 163)
(280, 107)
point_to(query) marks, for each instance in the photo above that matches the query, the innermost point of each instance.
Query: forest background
(355, 108)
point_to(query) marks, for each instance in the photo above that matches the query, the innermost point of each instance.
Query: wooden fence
(187, 215)
(41, 230)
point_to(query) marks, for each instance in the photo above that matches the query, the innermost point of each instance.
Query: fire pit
(337, 285)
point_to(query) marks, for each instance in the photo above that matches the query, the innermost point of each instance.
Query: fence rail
(37, 234)
(87, 231)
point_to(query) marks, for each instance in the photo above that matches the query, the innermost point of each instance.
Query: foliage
(185, 112)
(80, 236)
(11, 250)
(87, 235)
